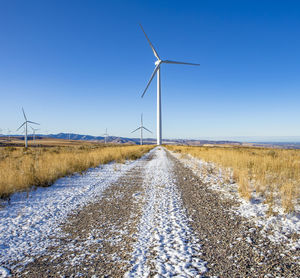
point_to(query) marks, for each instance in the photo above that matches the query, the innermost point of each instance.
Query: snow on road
(165, 245)
(28, 224)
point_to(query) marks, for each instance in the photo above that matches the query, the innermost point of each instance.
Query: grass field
(22, 168)
(273, 174)
(44, 142)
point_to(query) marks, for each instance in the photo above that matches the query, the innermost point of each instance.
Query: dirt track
(160, 218)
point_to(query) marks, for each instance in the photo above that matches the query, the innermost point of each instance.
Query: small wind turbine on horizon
(105, 136)
(141, 128)
(8, 134)
(157, 71)
(26, 127)
(34, 130)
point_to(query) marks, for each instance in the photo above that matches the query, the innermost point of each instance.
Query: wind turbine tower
(105, 136)
(8, 133)
(141, 129)
(157, 70)
(34, 130)
(26, 127)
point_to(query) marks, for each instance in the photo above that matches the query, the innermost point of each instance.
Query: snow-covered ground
(165, 242)
(28, 224)
(278, 228)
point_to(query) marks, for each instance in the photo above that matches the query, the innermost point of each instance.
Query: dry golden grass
(272, 173)
(46, 142)
(20, 168)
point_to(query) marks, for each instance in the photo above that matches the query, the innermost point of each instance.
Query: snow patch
(4, 272)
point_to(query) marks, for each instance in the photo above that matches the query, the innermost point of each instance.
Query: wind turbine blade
(24, 114)
(32, 122)
(21, 126)
(147, 129)
(180, 63)
(152, 76)
(136, 129)
(151, 45)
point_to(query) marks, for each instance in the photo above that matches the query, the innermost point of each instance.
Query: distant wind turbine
(157, 71)
(141, 128)
(26, 126)
(105, 136)
(8, 133)
(34, 130)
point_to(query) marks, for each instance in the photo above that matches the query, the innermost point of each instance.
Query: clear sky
(81, 66)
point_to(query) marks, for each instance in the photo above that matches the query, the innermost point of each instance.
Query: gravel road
(160, 220)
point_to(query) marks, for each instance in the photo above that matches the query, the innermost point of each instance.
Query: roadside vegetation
(273, 174)
(21, 168)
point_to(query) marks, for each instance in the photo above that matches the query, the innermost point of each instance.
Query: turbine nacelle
(158, 62)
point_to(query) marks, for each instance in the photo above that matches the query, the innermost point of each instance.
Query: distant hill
(123, 140)
(111, 139)
(189, 142)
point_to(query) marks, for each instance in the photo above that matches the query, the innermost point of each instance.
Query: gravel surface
(160, 220)
(232, 246)
(97, 240)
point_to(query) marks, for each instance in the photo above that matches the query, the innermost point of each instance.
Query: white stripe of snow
(27, 223)
(164, 238)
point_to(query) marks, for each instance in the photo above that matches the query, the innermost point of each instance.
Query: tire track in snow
(166, 245)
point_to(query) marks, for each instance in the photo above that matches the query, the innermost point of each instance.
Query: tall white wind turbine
(141, 129)
(157, 71)
(26, 126)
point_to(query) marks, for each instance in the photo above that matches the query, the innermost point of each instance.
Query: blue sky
(81, 66)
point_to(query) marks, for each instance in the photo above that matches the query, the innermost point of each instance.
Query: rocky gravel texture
(232, 246)
(97, 240)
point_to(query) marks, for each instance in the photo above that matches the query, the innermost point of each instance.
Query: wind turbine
(34, 130)
(26, 127)
(105, 136)
(8, 132)
(157, 71)
(141, 128)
